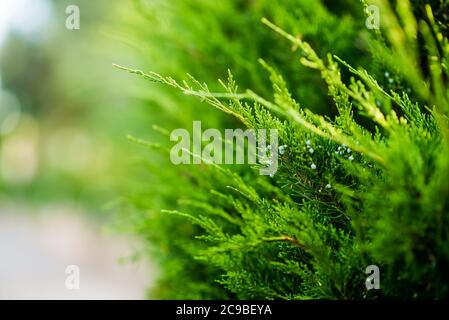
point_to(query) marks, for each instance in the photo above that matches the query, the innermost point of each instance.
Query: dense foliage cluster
(364, 176)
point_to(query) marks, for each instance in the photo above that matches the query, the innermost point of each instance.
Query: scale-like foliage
(363, 181)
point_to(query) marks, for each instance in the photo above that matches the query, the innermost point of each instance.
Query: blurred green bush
(70, 141)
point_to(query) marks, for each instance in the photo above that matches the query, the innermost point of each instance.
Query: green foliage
(377, 192)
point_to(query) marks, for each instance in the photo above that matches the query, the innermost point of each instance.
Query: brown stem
(288, 239)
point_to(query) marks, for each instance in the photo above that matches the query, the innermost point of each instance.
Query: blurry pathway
(36, 246)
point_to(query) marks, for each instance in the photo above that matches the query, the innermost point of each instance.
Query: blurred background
(64, 155)
(73, 187)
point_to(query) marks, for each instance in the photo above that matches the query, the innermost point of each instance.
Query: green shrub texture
(364, 179)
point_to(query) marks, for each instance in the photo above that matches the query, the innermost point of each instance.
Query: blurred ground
(36, 246)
